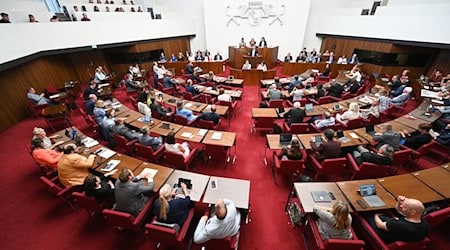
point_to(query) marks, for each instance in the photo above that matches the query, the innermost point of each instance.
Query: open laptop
(309, 107)
(370, 129)
(369, 194)
(179, 192)
(337, 107)
(321, 196)
(285, 139)
(165, 125)
(341, 137)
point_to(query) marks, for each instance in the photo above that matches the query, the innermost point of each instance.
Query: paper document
(112, 164)
(103, 85)
(89, 142)
(106, 153)
(150, 171)
(202, 132)
(353, 135)
(54, 96)
(216, 136)
(187, 135)
(188, 105)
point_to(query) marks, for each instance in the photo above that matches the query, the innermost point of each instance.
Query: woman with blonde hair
(39, 133)
(169, 209)
(351, 114)
(334, 223)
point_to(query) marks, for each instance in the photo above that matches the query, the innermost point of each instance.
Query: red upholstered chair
(121, 220)
(36, 109)
(337, 126)
(325, 100)
(315, 241)
(287, 167)
(402, 158)
(229, 243)
(169, 91)
(59, 190)
(367, 170)
(208, 124)
(346, 96)
(437, 218)
(178, 161)
(275, 103)
(432, 151)
(52, 90)
(355, 123)
(328, 167)
(205, 98)
(123, 145)
(185, 76)
(190, 97)
(184, 121)
(371, 238)
(168, 236)
(302, 101)
(45, 170)
(263, 123)
(296, 128)
(147, 153)
(216, 153)
(90, 204)
(133, 102)
(231, 106)
(373, 119)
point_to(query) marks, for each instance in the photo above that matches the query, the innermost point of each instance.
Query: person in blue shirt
(168, 81)
(188, 114)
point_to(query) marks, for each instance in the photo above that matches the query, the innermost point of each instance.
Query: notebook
(370, 129)
(321, 196)
(285, 139)
(369, 194)
(309, 107)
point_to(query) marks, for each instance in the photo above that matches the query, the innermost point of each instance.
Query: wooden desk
(284, 94)
(61, 135)
(140, 124)
(220, 110)
(125, 162)
(304, 189)
(194, 106)
(265, 83)
(196, 136)
(316, 111)
(264, 112)
(228, 138)
(121, 110)
(329, 107)
(236, 190)
(350, 190)
(396, 126)
(216, 66)
(410, 121)
(268, 54)
(199, 182)
(210, 91)
(273, 141)
(437, 178)
(55, 110)
(130, 116)
(409, 186)
(446, 166)
(252, 76)
(306, 138)
(173, 127)
(160, 178)
(421, 115)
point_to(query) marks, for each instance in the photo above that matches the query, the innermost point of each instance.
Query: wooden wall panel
(441, 62)
(38, 73)
(85, 63)
(346, 46)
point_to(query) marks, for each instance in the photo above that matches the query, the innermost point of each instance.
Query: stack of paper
(353, 135)
(106, 153)
(89, 142)
(188, 105)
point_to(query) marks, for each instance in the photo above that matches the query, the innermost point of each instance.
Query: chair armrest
(288, 103)
(132, 142)
(286, 127)
(335, 99)
(160, 150)
(315, 162)
(191, 156)
(315, 128)
(142, 216)
(186, 224)
(351, 161)
(66, 190)
(313, 101)
(276, 160)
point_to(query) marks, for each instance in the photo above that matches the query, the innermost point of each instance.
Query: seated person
(328, 148)
(351, 114)
(186, 113)
(168, 81)
(262, 66)
(309, 80)
(354, 74)
(147, 140)
(387, 136)
(37, 99)
(90, 104)
(288, 57)
(353, 87)
(335, 90)
(410, 227)
(109, 121)
(273, 93)
(211, 116)
(47, 141)
(91, 89)
(172, 146)
(327, 121)
(247, 65)
(416, 141)
(170, 209)
(385, 101)
(374, 109)
(156, 106)
(276, 81)
(327, 70)
(292, 152)
(383, 157)
(404, 97)
(73, 167)
(191, 89)
(224, 223)
(120, 129)
(47, 157)
(163, 57)
(189, 69)
(99, 187)
(100, 75)
(295, 115)
(131, 84)
(129, 192)
(320, 92)
(334, 223)
(99, 111)
(294, 83)
(297, 93)
(444, 137)
(224, 96)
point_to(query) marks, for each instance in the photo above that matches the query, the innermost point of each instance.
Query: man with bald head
(224, 223)
(410, 228)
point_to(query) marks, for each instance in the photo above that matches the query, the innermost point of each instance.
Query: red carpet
(34, 219)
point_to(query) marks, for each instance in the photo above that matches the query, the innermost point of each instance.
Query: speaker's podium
(237, 56)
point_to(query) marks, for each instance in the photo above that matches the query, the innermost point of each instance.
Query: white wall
(37, 37)
(288, 35)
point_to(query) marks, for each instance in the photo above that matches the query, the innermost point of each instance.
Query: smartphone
(214, 184)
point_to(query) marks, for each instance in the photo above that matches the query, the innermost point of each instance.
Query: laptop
(337, 107)
(341, 137)
(165, 125)
(179, 190)
(370, 129)
(369, 194)
(309, 107)
(285, 139)
(321, 196)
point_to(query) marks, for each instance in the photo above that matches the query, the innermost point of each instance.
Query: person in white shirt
(351, 114)
(176, 147)
(354, 74)
(262, 66)
(100, 75)
(224, 96)
(246, 65)
(328, 121)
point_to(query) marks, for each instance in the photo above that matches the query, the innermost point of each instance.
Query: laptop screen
(337, 106)
(367, 190)
(339, 134)
(309, 106)
(370, 128)
(285, 138)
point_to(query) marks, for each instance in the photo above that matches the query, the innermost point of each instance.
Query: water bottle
(74, 134)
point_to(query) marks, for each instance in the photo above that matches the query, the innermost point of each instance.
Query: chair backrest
(355, 123)
(334, 166)
(264, 122)
(181, 120)
(52, 187)
(299, 128)
(86, 202)
(187, 96)
(205, 98)
(133, 101)
(175, 160)
(371, 171)
(226, 243)
(145, 152)
(289, 167)
(325, 100)
(120, 219)
(276, 104)
(437, 218)
(401, 157)
(215, 151)
(120, 141)
(206, 124)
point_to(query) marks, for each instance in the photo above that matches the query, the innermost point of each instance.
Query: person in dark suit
(387, 136)
(218, 57)
(129, 195)
(131, 84)
(90, 104)
(320, 92)
(327, 70)
(354, 86)
(210, 116)
(189, 69)
(170, 209)
(263, 42)
(354, 59)
(328, 149)
(417, 140)
(147, 140)
(91, 89)
(168, 81)
(295, 114)
(382, 158)
(158, 108)
(124, 131)
(254, 51)
(191, 89)
(335, 90)
(99, 187)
